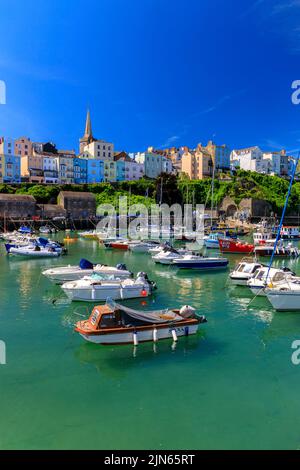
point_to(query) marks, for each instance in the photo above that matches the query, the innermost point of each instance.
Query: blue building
(80, 170)
(95, 170)
(120, 170)
(10, 168)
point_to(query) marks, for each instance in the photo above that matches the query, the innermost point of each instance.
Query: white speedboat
(243, 272)
(142, 246)
(259, 281)
(33, 251)
(91, 289)
(285, 295)
(61, 274)
(191, 261)
(166, 256)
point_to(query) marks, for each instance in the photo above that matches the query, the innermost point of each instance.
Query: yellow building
(197, 165)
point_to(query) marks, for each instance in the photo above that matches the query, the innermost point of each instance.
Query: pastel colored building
(24, 148)
(50, 168)
(197, 164)
(80, 170)
(95, 170)
(127, 169)
(250, 159)
(276, 163)
(10, 168)
(220, 155)
(110, 171)
(66, 167)
(152, 162)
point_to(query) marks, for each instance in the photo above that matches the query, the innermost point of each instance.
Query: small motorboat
(167, 255)
(265, 275)
(32, 251)
(61, 274)
(24, 229)
(160, 247)
(284, 295)
(47, 229)
(212, 240)
(117, 244)
(192, 261)
(235, 246)
(115, 324)
(89, 234)
(244, 271)
(91, 289)
(143, 246)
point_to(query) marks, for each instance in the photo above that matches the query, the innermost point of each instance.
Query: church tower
(88, 136)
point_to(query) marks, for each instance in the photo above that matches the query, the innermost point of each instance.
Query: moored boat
(61, 274)
(91, 289)
(289, 232)
(32, 251)
(265, 275)
(244, 271)
(191, 261)
(116, 324)
(285, 296)
(235, 246)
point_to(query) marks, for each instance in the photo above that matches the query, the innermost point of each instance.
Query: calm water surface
(232, 386)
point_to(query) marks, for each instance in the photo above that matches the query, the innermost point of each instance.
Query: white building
(99, 149)
(250, 159)
(276, 163)
(50, 169)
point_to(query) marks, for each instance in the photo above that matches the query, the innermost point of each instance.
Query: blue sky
(153, 72)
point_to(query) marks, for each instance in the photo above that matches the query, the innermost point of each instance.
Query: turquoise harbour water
(231, 386)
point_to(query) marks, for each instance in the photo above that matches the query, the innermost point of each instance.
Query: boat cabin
(289, 232)
(102, 316)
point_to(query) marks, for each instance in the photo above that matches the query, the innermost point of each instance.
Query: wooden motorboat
(117, 244)
(116, 324)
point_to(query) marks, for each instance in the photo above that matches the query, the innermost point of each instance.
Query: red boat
(120, 245)
(235, 246)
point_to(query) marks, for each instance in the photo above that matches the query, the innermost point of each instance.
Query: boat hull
(205, 265)
(238, 281)
(235, 247)
(284, 300)
(100, 294)
(144, 335)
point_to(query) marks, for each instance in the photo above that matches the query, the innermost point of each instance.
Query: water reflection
(117, 361)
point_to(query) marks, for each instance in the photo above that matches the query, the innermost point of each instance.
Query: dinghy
(61, 274)
(91, 289)
(33, 251)
(115, 324)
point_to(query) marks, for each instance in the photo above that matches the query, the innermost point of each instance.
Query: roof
(246, 149)
(76, 195)
(17, 197)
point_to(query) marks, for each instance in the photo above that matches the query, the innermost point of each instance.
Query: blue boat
(204, 263)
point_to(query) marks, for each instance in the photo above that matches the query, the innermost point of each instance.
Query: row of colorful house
(97, 161)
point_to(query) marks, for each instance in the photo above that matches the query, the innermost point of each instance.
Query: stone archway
(231, 210)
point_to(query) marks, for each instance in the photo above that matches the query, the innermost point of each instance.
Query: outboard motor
(187, 311)
(121, 266)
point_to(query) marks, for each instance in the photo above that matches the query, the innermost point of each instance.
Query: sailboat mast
(283, 214)
(212, 195)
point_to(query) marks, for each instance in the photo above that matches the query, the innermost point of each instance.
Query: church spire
(88, 126)
(88, 136)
